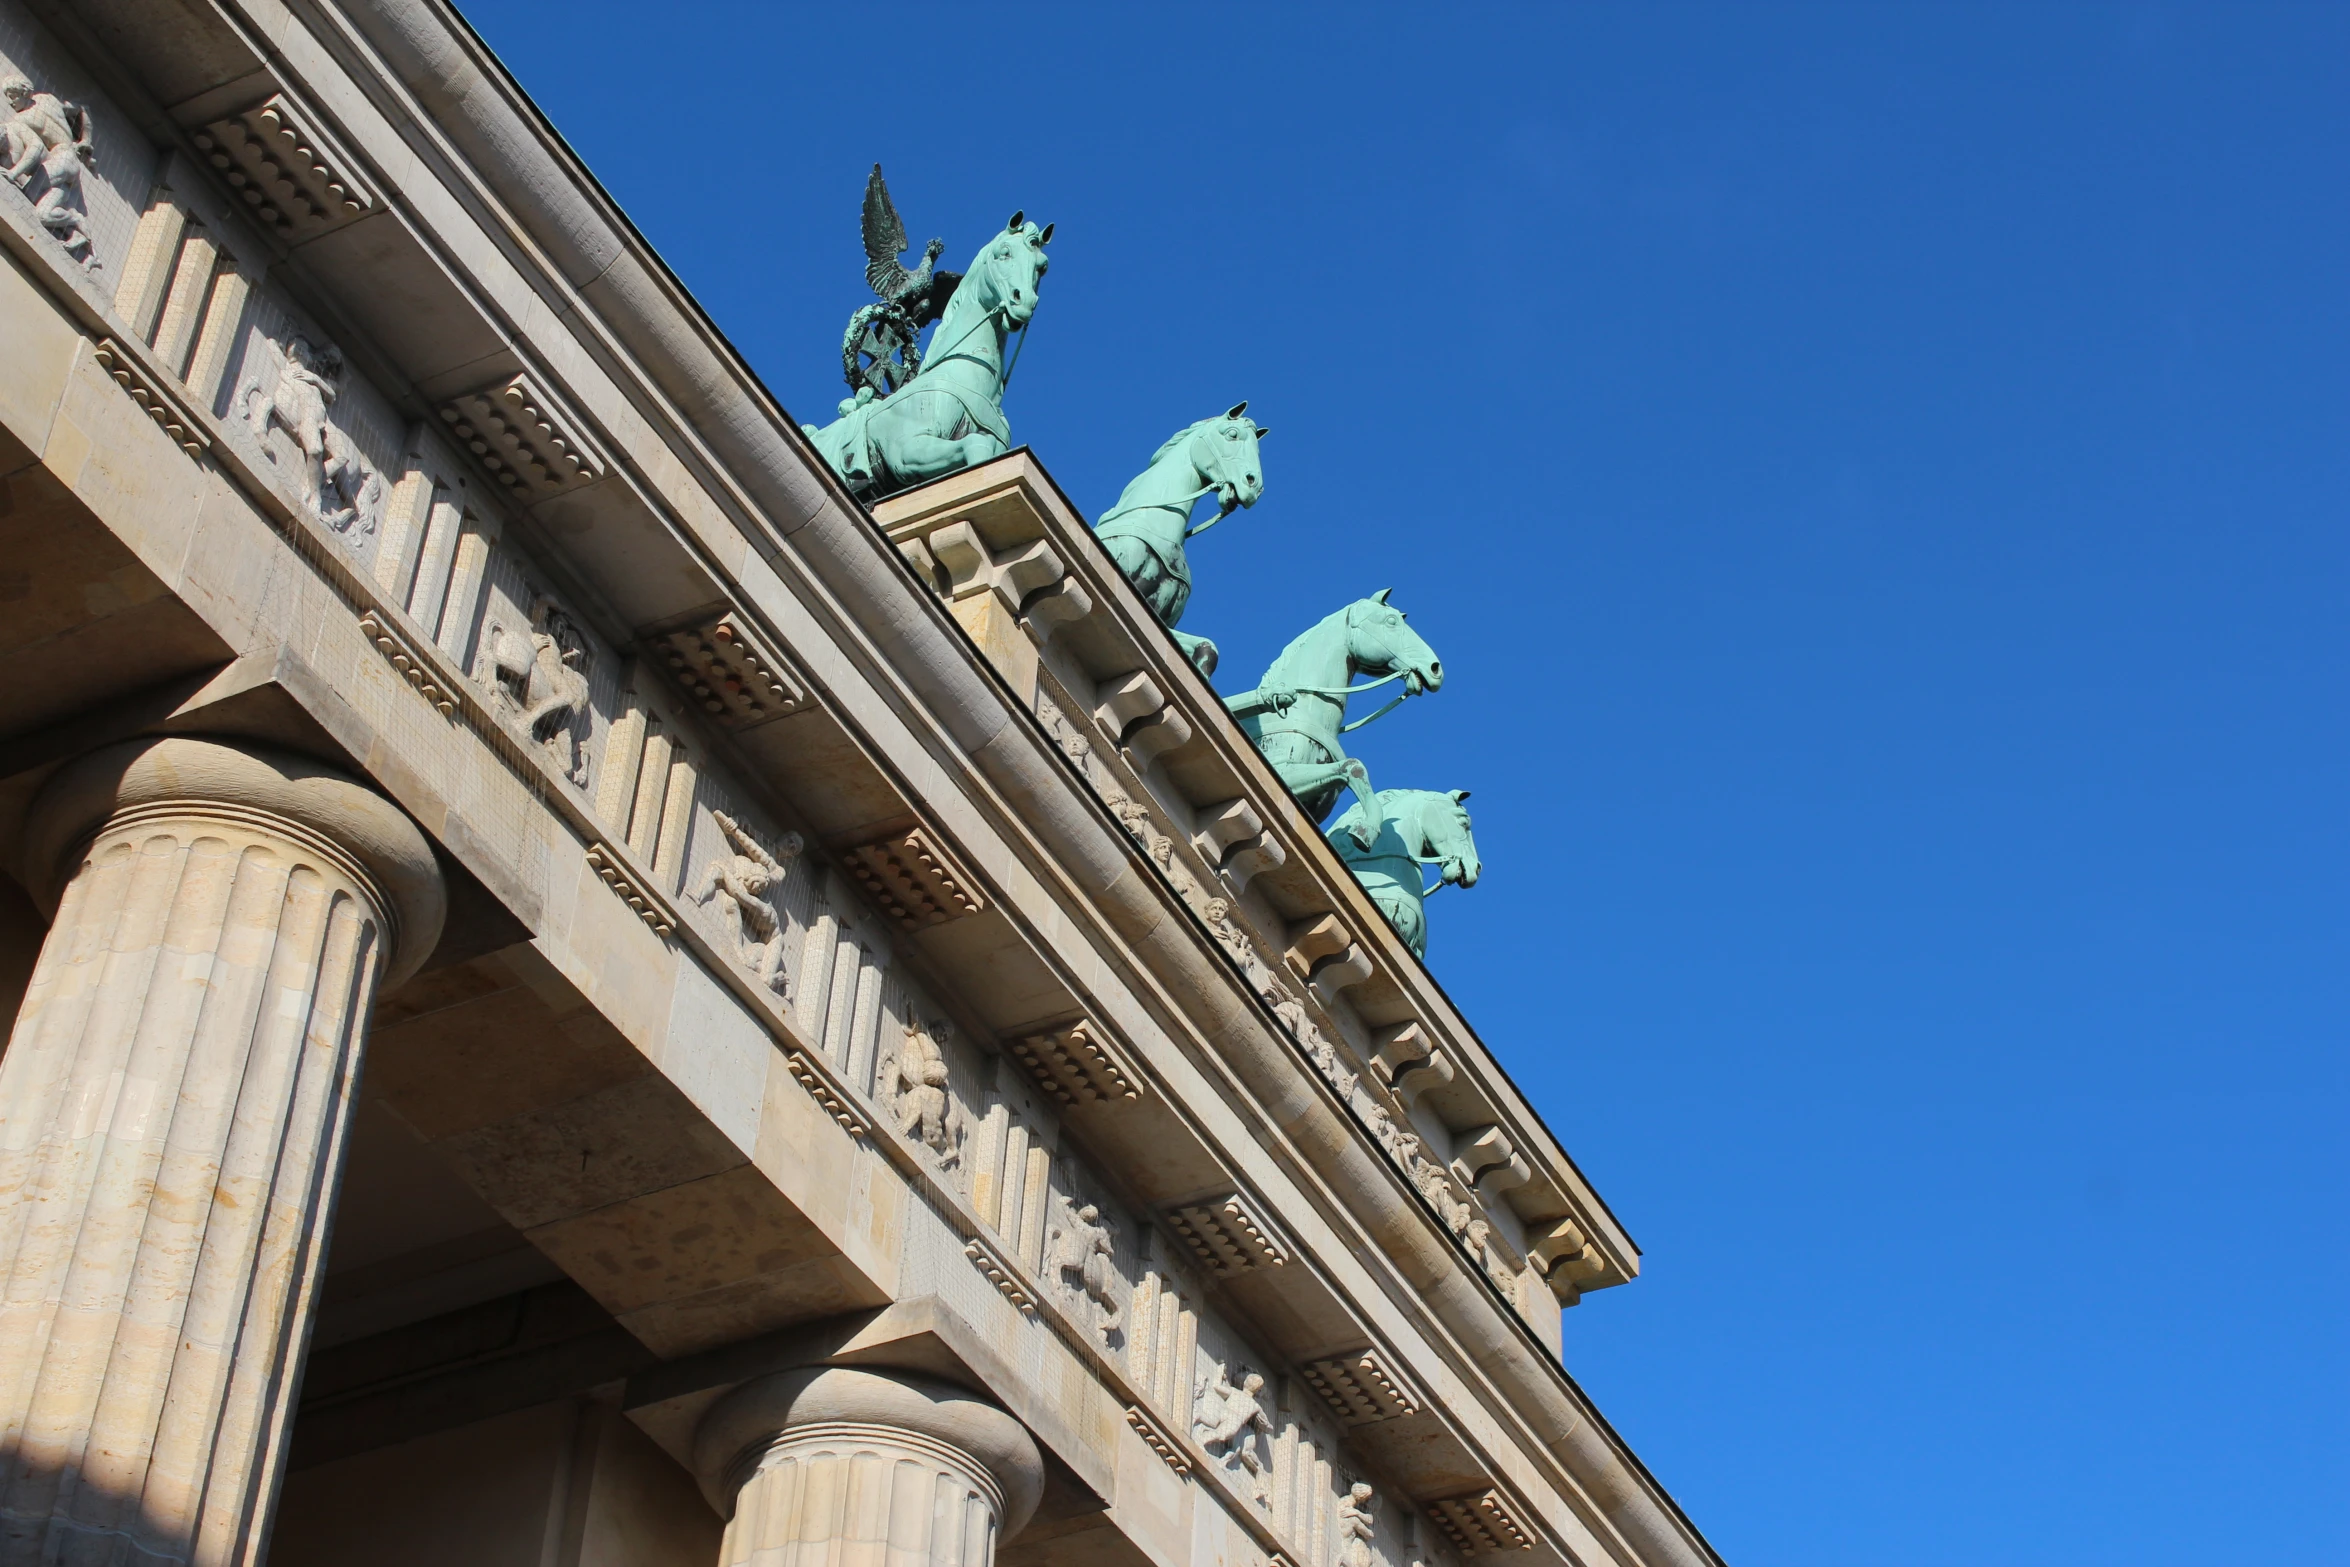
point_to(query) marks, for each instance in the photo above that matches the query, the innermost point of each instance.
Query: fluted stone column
(843, 1467)
(173, 1114)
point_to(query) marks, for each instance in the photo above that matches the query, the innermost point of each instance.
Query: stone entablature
(1149, 736)
(996, 1021)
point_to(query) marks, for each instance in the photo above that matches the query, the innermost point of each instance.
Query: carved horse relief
(1146, 531)
(337, 484)
(1414, 828)
(951, 416)
(1297, 713)
(540, 673)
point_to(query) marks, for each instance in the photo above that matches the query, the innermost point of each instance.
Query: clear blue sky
(1877, 478)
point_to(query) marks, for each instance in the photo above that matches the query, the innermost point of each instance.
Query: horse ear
(1380, 597)
(1459, 795)
(1262, 432)
(1237, 409)
(1013, 227)
(1046, 237)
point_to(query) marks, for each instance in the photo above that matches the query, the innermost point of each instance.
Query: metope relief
(740, 883)
(915, 1081)
(297, 395)
(538, 672)
(1229, 1422)
(1357, 1525)
(45, 144)
(1081, 1251)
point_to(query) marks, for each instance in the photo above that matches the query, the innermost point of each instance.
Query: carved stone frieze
(1360, 1387)
(402, 656)
(162, 405)
(1226, 1234)
(914, 881)
(1075, 1063)
(609, 865)
(287, 176)
(511, 427)
(1480, 1521)
(999, 1272)
(804, 1072)
(733, 673)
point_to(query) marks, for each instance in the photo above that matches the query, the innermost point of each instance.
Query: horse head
(1379, 643)
(1445, 836)
(1223, 452)
(1004, 277)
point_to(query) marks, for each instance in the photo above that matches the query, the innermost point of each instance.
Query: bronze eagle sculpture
(881, 350)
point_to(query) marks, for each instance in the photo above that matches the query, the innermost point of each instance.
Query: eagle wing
(885, 239)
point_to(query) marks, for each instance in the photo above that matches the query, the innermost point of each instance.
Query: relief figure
(917, 1076)
(1355, 1526)
(742, 881)
(337, 484)
(1228, 1421)
(45, 143)
(541, 674)
(1079, 1248)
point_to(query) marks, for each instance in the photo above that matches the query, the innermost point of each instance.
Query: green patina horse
(952, 414)
(1145, 532)
(1297, 713)
(1416, 827)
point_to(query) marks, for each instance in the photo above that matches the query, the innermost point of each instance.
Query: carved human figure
(920, 1091)
(1428, 1179)
(742, 880)
(337, 483)
(542, 674)
(1079, 1247)
(1479, 1237)
(1228, 1421)
(46, 142)
(1355, 1526)
(1253, 969)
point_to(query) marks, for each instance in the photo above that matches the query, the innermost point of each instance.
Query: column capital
(763, 1414)
(263, 788)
